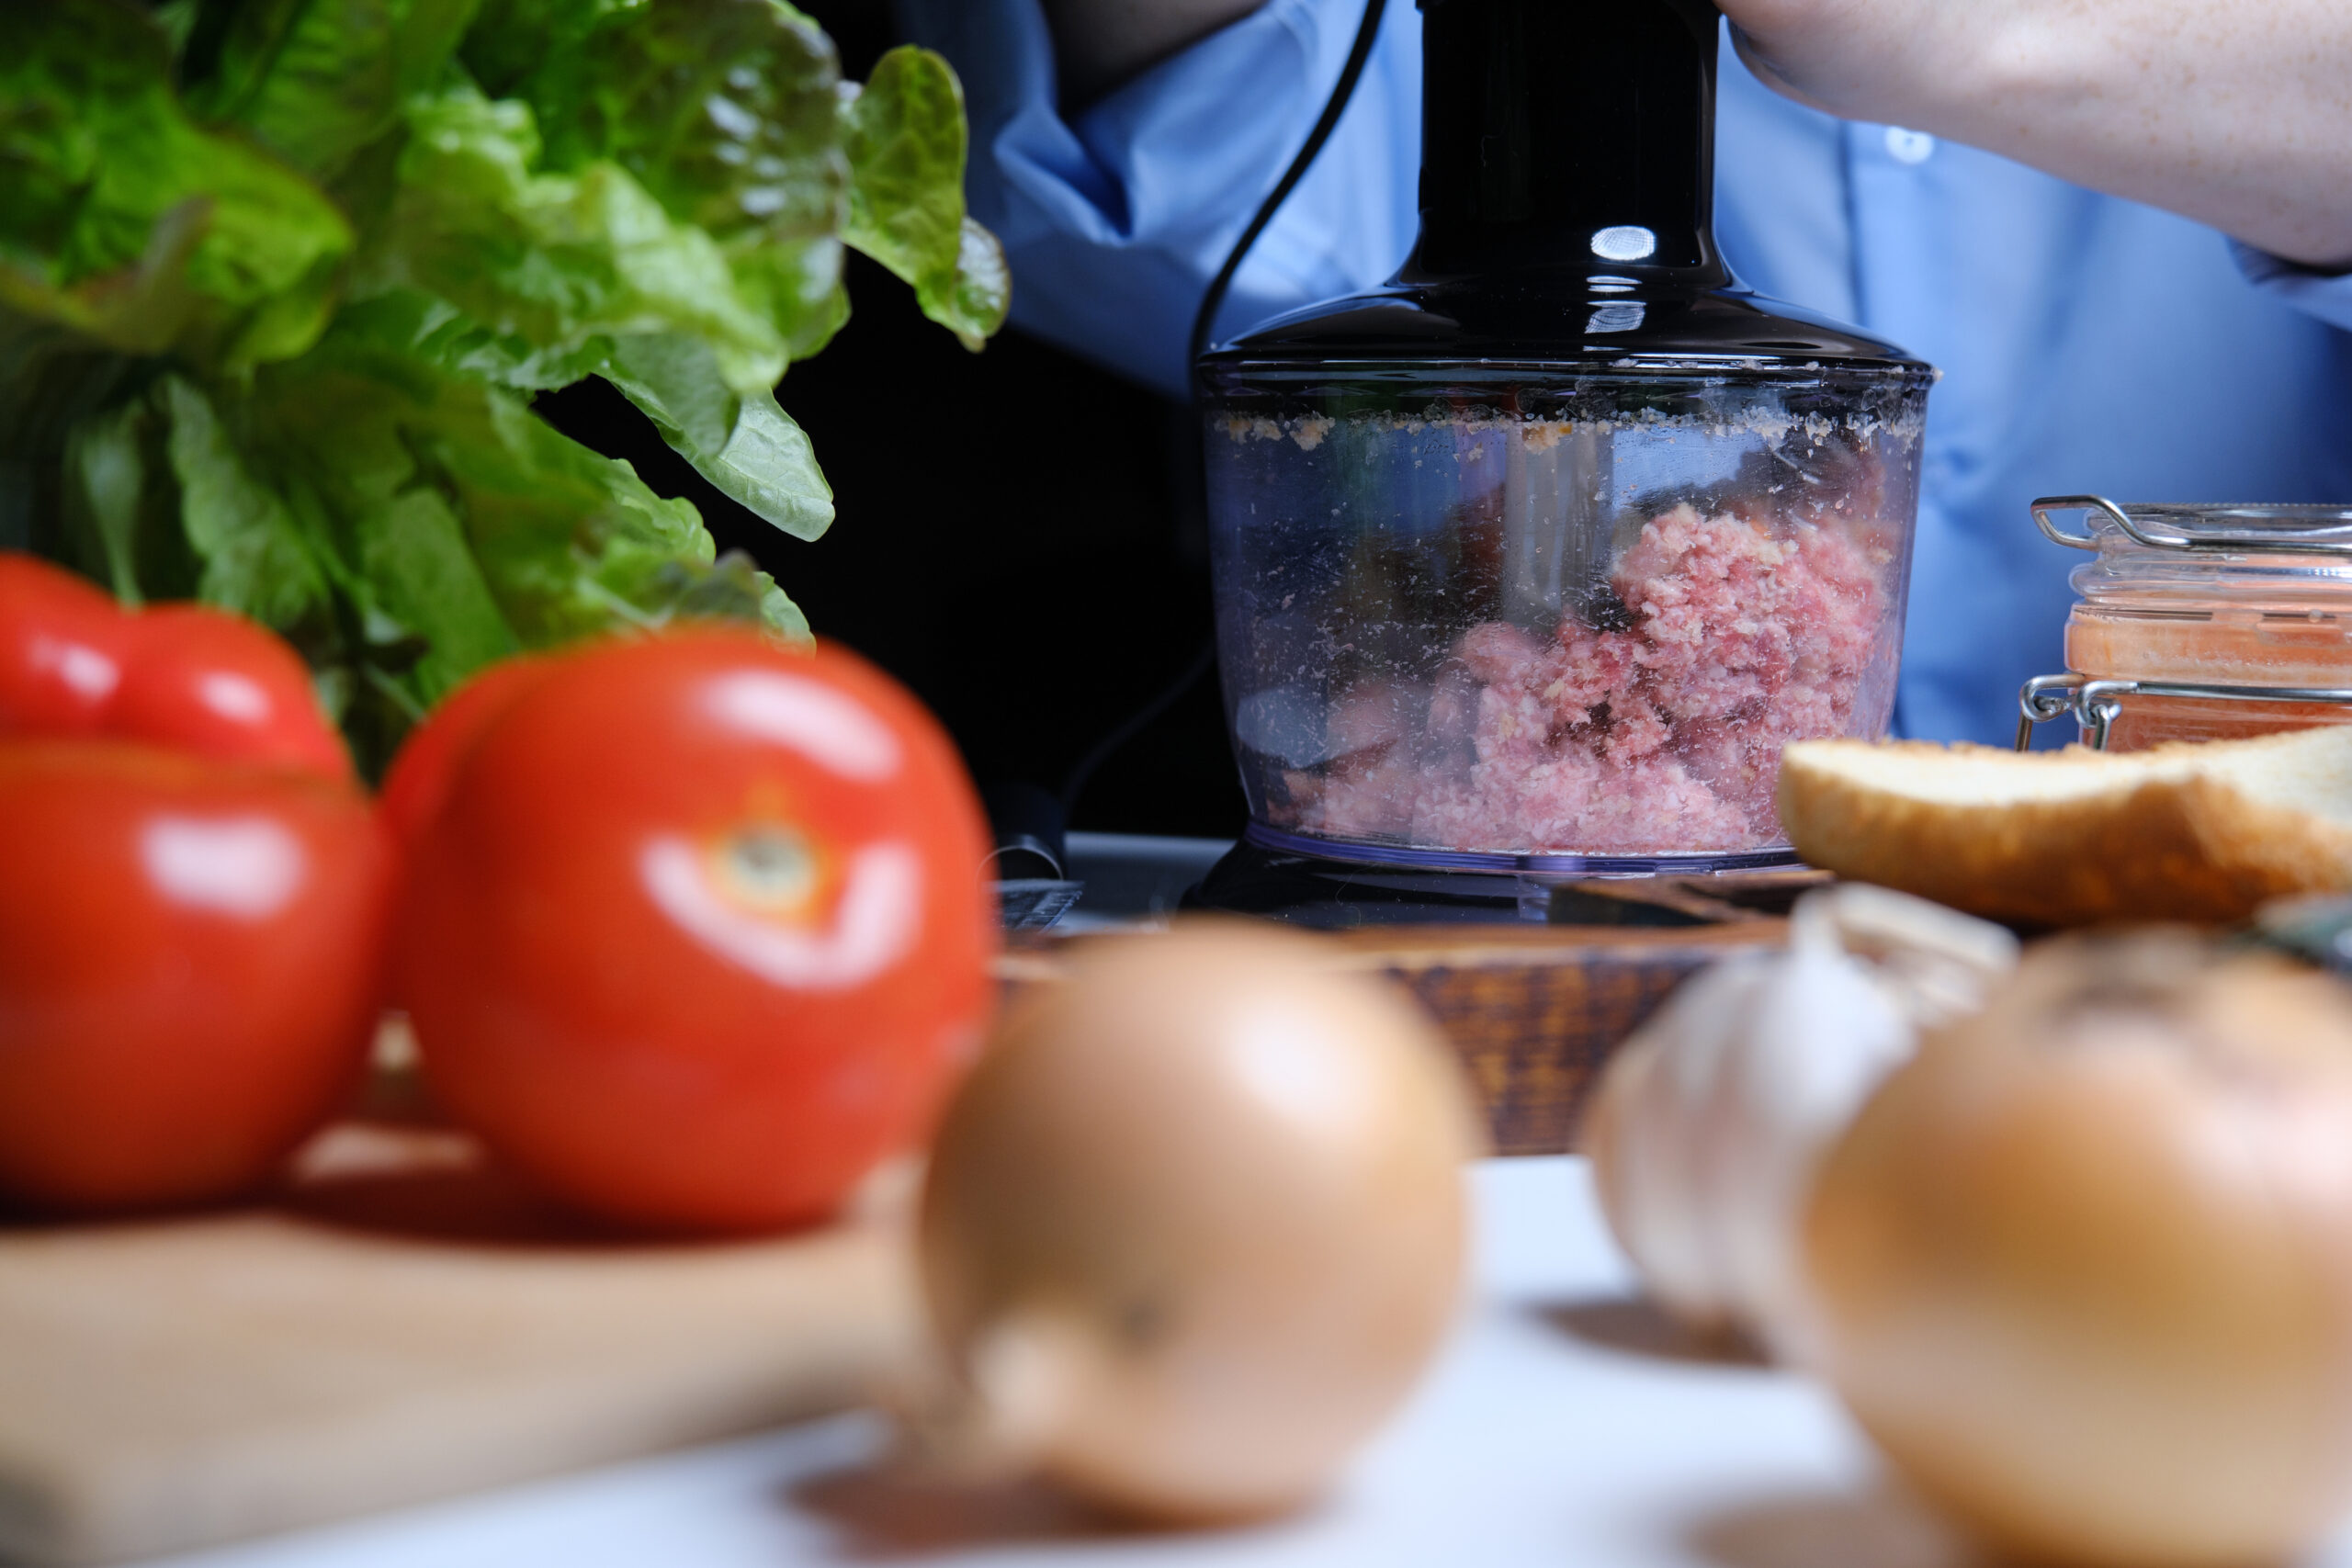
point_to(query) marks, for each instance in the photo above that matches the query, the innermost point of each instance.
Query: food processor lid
(1568, 208)
(1539, 320)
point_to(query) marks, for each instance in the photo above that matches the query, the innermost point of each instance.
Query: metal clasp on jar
(2096, 704)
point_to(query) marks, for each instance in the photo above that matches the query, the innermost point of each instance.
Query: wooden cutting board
(405, 1326)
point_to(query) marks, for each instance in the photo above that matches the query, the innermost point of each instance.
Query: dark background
(1020, 538)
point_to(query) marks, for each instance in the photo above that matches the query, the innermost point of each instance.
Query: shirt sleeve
(1115, 220)
(2327, 295)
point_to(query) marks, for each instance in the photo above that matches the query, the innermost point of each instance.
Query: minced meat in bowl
(1471, 630)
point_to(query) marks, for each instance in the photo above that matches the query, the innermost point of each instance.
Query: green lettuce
(723, 111)
(562, 262)
(125, 221)
(253, 556)
(315, 80)
(278, 278)
(904, 134)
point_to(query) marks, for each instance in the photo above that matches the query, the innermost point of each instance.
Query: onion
(2083, 1267)
(1195, 1222)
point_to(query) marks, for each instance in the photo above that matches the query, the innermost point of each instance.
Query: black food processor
(1528, 562)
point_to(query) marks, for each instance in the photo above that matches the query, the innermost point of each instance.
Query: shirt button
(1909, 146)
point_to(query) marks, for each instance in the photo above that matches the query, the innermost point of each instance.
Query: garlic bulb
(2083, 1267)
(1713, 1118)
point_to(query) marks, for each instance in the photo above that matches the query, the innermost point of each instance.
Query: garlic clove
(1713, 1119)
(1940, 964)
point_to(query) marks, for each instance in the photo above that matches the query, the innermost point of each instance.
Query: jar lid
(2238, 553)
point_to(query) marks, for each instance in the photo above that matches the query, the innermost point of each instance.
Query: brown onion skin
(2083, 1268)
(1242, 1253)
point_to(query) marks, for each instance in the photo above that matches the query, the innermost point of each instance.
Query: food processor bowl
(1533, 559)
(1553, 617)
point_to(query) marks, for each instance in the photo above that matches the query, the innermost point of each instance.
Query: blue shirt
(2088, 343)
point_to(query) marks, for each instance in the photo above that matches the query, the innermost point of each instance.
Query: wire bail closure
(2096, 703)
(2132, 520)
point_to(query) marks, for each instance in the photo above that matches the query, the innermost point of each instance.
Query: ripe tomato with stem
(700, 933)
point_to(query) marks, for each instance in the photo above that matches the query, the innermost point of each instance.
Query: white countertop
(1566, 1425)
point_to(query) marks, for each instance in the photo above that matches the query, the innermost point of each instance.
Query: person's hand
(2235, 113)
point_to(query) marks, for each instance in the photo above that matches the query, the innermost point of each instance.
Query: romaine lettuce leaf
(123, 220)
(748, 447)
(904, 134)
(975, 304)
(108, 502)
(795, 284)
(316, 80)
(512, 39)
(561, 542)
(557, 261)
(769, 465)
(723, 110)
(256, 558)
(54, 378)
(446, 338)
(671, 379)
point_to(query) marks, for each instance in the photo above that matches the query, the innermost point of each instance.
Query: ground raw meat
(1662, 738)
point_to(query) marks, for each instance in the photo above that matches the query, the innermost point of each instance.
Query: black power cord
(1135, 723)
(1203, 323)
(1367, 34)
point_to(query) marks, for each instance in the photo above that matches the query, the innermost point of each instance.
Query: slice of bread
(2190, 831)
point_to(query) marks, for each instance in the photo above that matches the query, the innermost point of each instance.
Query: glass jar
(2204, 623)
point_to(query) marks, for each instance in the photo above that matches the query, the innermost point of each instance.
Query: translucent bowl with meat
(1570, 630)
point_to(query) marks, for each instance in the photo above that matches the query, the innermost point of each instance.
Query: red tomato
(186, 676)
(418, 780)
(190, 958)
(204, 681)
(62, 644)
(700, 934)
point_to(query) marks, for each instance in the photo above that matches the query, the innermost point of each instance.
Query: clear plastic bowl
(1492, 617)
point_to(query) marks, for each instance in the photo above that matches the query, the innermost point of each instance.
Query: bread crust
(2189, 847)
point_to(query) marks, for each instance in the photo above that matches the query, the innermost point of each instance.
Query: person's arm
(1101, 43)
(1115, 216)
(2236, 113)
